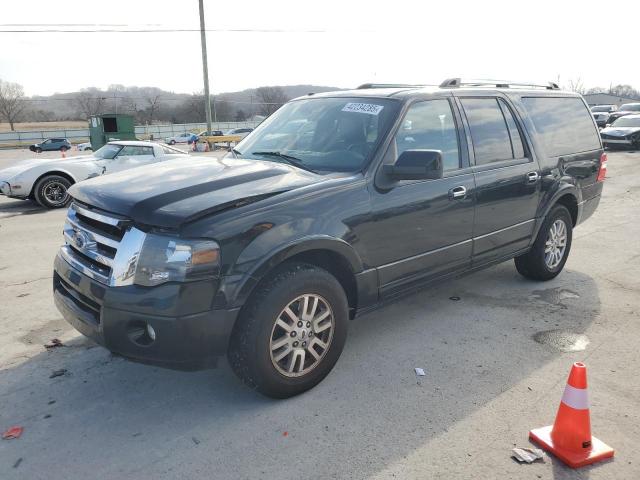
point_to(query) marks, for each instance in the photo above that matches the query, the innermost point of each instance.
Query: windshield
(601, 108)
(107, 152)
(634, 121)
(630, 107)
(322, 134)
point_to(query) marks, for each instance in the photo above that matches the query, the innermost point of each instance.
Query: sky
(333, 43)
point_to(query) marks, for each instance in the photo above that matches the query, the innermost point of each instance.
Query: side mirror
(416, 165)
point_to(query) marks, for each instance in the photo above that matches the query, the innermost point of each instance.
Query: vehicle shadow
(12, 208)
(106, 417)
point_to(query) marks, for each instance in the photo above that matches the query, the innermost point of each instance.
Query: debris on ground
(58, 373)
(419, 372)
(455, 298)
(13, 432)
(55, 342)
(285, 434)
(195, 440)
(18, 462)
(527, 455)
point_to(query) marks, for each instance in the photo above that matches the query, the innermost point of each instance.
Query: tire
(172, 142)
(51, 187)
(38, 150)
(535, 264)
(256, 333)
(63, 149)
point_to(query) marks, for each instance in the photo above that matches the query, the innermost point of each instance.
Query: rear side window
(564, 124)
(489, 131)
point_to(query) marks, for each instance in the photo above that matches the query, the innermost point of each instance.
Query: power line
(163, 30)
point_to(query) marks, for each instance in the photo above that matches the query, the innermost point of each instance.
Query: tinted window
(630, 107)
(430, 125)
(491, 140)
(514, 133)
(564, 124)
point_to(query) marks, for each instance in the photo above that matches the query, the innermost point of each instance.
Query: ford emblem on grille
(81, 239)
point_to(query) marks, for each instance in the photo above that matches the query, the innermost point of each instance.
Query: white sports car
(47, 180)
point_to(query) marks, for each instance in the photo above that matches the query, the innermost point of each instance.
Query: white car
(243, 132)
(186, 137)
(47, 180)
(85, 146)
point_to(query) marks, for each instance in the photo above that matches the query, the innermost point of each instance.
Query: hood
(25, 165)
(178, 191)
(620, 131)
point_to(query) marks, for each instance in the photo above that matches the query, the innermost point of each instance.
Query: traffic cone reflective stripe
(569, 438)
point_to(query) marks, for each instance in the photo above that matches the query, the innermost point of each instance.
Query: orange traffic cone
(569, 438)
(63, 153)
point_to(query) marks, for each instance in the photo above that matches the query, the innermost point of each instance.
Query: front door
(507, 179)
(423, 228)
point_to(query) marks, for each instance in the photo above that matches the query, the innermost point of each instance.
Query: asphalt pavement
(496, 350)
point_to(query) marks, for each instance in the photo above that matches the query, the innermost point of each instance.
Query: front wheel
(551, 248)
(291, 332)
(38, 150)
(172, 142)
(51, 191)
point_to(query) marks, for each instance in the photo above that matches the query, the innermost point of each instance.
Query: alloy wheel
(556, 244)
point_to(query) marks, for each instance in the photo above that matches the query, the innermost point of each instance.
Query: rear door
(422, 229)
(507, 178)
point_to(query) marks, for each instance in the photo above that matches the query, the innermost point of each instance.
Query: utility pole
(205, 68)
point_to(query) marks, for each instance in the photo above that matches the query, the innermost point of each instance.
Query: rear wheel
(291, 332)
(172, 142)
(51, 191)
(551, 248)
(63, 149)
(38, 150)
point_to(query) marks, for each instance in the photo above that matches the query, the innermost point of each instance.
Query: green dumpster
(108, 127)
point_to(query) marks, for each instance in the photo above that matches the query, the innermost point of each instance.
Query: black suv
(334, 205)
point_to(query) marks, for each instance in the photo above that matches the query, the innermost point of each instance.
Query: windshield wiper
(236, 153)
(296, 162)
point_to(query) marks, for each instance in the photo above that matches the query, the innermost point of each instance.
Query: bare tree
(152, 101)
(577, 86)
(624, 91)
(270, 99)
(89, 102)
(12, 102)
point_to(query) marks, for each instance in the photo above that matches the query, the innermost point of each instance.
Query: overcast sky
(361, 41)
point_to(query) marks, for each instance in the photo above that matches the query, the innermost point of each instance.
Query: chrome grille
(103, 246)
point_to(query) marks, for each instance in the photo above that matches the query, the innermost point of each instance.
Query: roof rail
(365, 86)
(458, 82)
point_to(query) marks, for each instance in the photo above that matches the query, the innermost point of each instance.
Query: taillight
(602, 171)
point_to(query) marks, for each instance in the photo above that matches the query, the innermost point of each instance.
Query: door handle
(533, 177)
(457, 193)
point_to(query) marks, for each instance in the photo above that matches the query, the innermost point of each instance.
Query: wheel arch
(334, 255)
(48, 173)
(568, 197)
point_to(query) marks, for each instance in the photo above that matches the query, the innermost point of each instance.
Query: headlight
(172, 259)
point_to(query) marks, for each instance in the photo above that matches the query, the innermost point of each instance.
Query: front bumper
(188, 334)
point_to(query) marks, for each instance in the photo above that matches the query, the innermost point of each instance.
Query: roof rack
(458, 82)
(365, 86)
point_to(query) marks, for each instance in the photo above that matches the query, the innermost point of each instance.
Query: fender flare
(249, 280)
(561, 192)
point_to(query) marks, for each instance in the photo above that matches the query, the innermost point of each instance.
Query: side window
(132, 150)
(514, 133)
(489, 132)
(430, 125)
(564, 124)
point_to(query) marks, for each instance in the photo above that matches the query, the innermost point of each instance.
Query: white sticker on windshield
(367, 108)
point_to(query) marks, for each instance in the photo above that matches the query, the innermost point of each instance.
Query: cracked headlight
(172, 259)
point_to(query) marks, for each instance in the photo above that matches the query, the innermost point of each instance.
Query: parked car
(213, 133)
(85, 146)
(267, 253)
(47, 180)
(51, 144)
(187, 137)
(624, 132)
(242, 132)
(626, 109)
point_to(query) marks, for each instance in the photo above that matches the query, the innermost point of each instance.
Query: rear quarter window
(564, 124)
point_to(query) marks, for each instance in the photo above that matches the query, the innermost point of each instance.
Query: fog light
(151, 332)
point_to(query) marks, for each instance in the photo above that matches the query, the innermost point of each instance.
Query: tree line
(148, 105)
